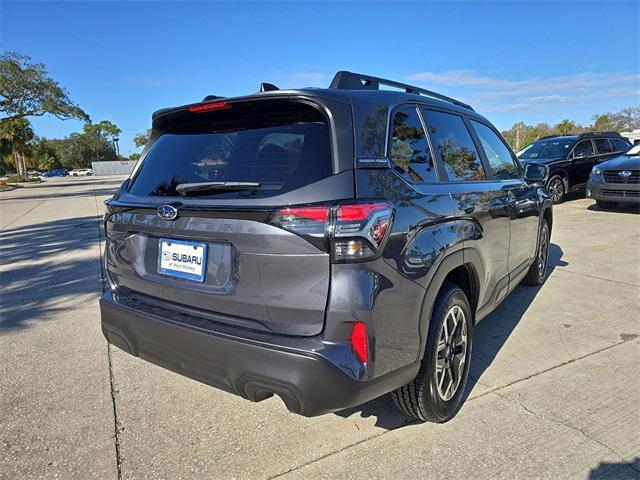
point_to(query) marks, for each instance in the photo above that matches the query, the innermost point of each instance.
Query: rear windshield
(279, 145)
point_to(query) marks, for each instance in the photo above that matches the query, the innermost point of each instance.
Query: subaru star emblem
(624, 173)
(167, 212)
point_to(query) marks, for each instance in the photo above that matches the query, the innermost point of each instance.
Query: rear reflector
(359, 342)
(207, 107)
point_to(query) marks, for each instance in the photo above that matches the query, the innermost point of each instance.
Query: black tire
(421, 398)
(556, 188)
(606, 205)
(538, 269)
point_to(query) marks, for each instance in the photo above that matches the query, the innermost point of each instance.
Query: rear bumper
(614, 192)
(305, 375)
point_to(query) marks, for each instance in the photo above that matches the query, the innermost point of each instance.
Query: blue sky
(513, 61)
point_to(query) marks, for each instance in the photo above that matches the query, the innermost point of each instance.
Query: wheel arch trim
(466, 257)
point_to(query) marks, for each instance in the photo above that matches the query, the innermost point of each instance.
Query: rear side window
(409, 147)
(603, 145)
(281, 148)
(620, 145)
(452, 141)
(583, 149)
(498, 155)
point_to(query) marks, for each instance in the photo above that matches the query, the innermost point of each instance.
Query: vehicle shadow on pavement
(46, 267)
(622, 208)
(619, 471)
(58, 194)
(489, 337)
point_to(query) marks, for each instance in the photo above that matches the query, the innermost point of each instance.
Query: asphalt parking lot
(555, 388)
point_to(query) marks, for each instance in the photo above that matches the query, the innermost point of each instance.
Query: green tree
(602, 123)
(105, 130)
(18, 134)
(141, 139)
(566, 127)
(26, 89)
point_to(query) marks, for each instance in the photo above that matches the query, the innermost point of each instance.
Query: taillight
(311, 220)
(208, 107)
(359, 230)
(356, 231)
(360, 342)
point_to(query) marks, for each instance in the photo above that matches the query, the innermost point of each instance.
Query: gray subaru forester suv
(325, 245)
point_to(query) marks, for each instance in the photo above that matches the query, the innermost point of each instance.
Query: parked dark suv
(324, 245)
(570, 158)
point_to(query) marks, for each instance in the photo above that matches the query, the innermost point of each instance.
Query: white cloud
(493, 94)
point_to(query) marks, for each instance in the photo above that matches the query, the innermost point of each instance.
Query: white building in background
(633, 136)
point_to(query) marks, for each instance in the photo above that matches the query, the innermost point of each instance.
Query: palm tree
(18, 133)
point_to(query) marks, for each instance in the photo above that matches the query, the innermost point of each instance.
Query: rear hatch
(192, 231)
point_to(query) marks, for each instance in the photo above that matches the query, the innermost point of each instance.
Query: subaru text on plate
(325, 245)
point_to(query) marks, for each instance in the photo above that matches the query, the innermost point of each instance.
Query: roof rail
(599, 134)
(344, 80)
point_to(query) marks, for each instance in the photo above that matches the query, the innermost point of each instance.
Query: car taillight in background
(355, 231)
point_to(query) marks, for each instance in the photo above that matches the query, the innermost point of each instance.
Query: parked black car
(324, 245)
(570, 158)
(616, 180)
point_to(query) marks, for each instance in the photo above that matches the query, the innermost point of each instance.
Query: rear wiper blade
(185, 188)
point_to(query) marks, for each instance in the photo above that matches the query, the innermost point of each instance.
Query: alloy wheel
(556, 189)
(543, 252)
(452, 352)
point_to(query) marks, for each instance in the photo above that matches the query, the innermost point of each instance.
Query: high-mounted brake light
(360, 342)
(207, 107)
(356, 231)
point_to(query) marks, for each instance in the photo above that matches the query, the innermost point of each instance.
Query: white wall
(123, 167)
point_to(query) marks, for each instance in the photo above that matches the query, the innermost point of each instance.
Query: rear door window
(410, 152)
(620, 145)
(497, 153)
(603, 145)
(453, 143)
(281, 149)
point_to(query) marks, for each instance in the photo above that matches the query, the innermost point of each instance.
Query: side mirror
(535, 172)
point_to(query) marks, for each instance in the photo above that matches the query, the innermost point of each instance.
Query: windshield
(634, 151)
(277, 150)
(547, 149)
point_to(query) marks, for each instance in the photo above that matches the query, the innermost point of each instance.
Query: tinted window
(620, 145)
(409, 147)
(497, 152)
(603, 145)
(583, 149)
(556, 148)
(453, 142)
(281, 150)
(371, 129)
